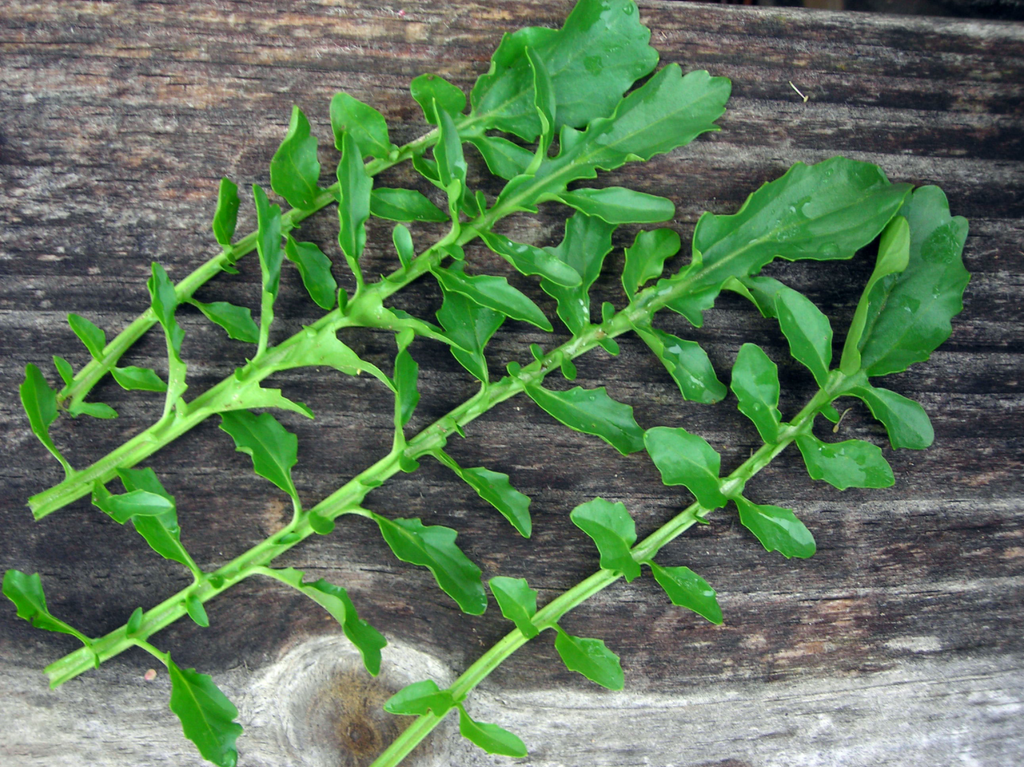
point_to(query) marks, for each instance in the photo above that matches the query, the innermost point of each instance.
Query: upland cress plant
(548, 114)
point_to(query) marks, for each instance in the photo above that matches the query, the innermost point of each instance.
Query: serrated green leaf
(273, 449)
(354, 206)
(517, 601)
(428, 88)
(687, 589)
(504, 159)
(686, 459)
(592, 411)
(404, 205)
(544, 103)
(778, 529)
(420, 698)
(853, 463)
(586, 243)
(808, 332)
(592, 658)
(294, 169)
(225, 217)
(251, 395)
(613, 531)
(470, 326)
(363, 123)
(618, 205)
(908, 313)
(905, 420)
(324, 348)
(91, 409)
(268, 240)
(315, 269)
(755, 382)
(64, 370)
(95, 340)
(206, 715)
(687, 363)
(40, 404)
(596, 56)
(532, 261)
(495, 488)
(236, 320)
(164, 303)
(434, 547)
(26, 592)
(495, 293)
(196, 611)
(490, 737)
(645, 259)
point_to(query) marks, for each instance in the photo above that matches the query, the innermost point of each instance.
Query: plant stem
(548, 616)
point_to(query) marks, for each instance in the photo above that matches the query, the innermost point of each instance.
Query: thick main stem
(644, 551)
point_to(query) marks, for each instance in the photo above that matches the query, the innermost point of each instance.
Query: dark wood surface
(901, 642)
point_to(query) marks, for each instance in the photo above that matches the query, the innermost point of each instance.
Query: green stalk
(644, 551)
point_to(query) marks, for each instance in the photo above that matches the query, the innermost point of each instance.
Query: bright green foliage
(470, 326)
(617, 205)
(592, 658)
(26, 591)
(207, 716)
(687, 363)
(196, 611)
(137, 503)
(406, 394)
(354, 205)
(363, 123)
(504, 159)
(236, 320)
(687, 589)
(755, 382)
(490, 737)
(40, 404)
(494, 293)
(404, 205)
(808, 332)
(273, 449)
(428, 89)
(905, 420)
(778, 529)
(686, 459)
(613, 531)
(268, 241)
(420, 698)
(294, 169)
(90, 335)
(586, 243)
(315, 269)
(434, 548)
(853, 463)
(324, 348)
(544, 103)
(225, 217)
(645, 259)
(494, 488)
(530, 260)
(518, 602)
(592, 411)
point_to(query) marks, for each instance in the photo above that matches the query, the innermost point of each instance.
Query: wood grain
(899, 643)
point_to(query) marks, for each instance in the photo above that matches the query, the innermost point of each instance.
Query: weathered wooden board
(900, 643)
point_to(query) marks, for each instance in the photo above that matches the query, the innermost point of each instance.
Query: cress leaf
(252, 395)
(451, 163)
(196, 611)
(618, 205)
(778, 529)
(207, 716)
(137, 503)
(315, 269)
(404, 205)
(294, 169)
(808, 332)
(236, 320)
(64, 369)
(434, 547)
(91, 409)
(755, 382)
(687, 363)
(420, 698)
(225, 217)
(26, 591)
(490, 737)
(908, 313)
(586, 243)
(268, 240)
(94, 339)
(592, 658)
(504, 159)
(493, 292)
(686, 459)
(273, 449)
(324, 348)
(601, 50)
(544, 102)
(354, 205)
(592, 411)
(687, 589)
(853, 463)
(613, 531)
(517, 601)
(402, 239)
(495, 488)
(160, 531)
(645, 259)
(40, 404)
(428, 88)
(469, 326)
(905, 420)
(531, 260)
(406, 394)
(135, 378)
(363, 123)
